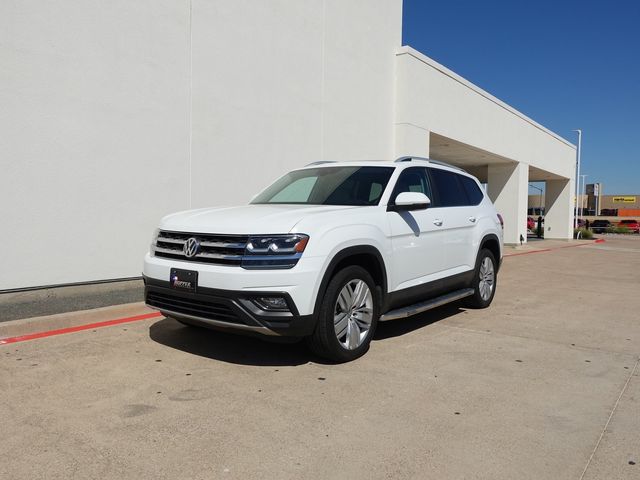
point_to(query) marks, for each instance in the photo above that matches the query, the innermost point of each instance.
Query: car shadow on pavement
(247, 350)
(403, 326)
(228, 347)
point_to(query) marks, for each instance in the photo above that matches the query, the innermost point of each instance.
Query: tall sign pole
(575, 217)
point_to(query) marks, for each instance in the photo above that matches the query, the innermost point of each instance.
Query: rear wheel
(484, 280)
(347, 317)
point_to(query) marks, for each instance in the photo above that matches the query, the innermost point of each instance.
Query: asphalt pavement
(542, 385)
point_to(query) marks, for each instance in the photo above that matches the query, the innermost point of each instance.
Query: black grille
(211, 308)
(213, 248)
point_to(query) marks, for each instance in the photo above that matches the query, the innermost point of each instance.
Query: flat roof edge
(407, 50)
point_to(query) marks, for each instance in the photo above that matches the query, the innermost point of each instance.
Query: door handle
(472, 219)
(437, 222)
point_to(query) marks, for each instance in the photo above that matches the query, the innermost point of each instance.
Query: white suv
(328, 251)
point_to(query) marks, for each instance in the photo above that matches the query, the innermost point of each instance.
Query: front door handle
(437, 222)
(472, 219)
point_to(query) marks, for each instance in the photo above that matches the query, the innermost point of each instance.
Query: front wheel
(484, 280)
(347, 317)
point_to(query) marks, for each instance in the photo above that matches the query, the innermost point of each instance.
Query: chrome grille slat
(168, 250)
(213, 249)
(219, 255)
(222, 244)
(172, 240)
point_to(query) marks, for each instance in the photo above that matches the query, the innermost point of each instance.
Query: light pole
(575, 217)
(583, 194)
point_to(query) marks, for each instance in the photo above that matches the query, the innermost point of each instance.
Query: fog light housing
(272, 304)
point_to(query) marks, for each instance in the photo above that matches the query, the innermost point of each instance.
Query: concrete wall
(95, 134)
(432, 98)
(115, 113)
(282, 83)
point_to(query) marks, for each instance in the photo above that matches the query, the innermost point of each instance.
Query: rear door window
(447, 188)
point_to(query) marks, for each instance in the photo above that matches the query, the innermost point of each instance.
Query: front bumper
(227, 309)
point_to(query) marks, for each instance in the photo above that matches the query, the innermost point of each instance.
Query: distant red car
(632, 225)
(531, 223)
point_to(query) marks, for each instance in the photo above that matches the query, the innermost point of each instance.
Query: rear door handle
(472, 219)
(437, 222)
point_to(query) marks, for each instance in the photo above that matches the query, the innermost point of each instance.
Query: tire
(484, 280)
(347, 317)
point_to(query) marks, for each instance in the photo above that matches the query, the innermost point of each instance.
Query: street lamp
(575, 217)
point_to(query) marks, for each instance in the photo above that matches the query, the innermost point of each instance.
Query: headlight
(154, 239)
(274, 251)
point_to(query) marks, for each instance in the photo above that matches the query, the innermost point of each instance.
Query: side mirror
(406, 201)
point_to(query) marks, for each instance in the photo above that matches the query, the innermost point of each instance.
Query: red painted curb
(78, 328)
(527, 253)
(600, 240)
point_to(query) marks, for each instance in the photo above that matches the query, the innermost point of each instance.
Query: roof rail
(435, 162)
(408, 159)
(319, 162)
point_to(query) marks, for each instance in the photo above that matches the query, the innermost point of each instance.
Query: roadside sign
(624, 199)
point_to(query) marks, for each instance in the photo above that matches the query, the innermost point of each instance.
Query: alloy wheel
(353, 314)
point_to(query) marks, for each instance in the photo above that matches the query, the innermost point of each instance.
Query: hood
(247, 219)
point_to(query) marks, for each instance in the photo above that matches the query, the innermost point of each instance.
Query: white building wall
(433, 98)
(94, 122)
(115, 113)
(282, 83)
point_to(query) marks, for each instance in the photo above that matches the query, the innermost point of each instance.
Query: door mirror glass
(411, 201)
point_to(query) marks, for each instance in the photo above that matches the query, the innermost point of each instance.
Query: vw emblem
(191, 247)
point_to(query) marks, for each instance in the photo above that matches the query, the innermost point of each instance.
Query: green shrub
(584, 233)
(622, 230)
(611, 229)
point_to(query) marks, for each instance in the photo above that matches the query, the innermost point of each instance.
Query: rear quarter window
(474, 193)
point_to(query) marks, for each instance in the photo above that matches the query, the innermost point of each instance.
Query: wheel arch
(365, 256)
(492, 243)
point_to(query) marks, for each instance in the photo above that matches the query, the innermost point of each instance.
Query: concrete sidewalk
(544, 384)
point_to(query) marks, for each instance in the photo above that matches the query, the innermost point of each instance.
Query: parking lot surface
(544, 384)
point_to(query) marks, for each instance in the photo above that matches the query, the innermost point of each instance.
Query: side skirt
(427, 305)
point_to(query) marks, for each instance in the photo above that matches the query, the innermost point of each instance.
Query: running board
(416, 308)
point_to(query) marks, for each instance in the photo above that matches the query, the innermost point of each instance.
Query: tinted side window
(474, 193)
(412, 179)
(448, 189)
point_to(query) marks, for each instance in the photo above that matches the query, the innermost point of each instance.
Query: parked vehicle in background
(531, 223)
(632, 225)
(329, 250)
(581, 223)
(601, 226)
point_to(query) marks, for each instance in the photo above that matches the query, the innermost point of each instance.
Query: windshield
(346, 185)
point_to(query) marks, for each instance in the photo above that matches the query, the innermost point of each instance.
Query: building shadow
(264, 351)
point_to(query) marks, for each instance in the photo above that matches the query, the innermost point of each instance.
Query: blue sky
(567, 64)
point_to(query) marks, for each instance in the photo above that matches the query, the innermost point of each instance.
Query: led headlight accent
(277, 244)
(274, 251)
